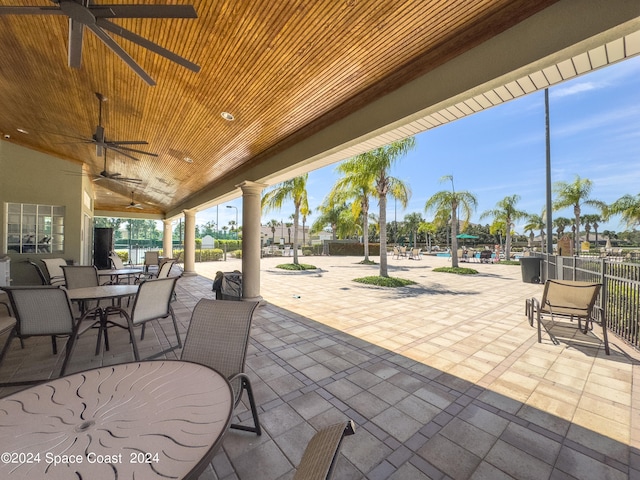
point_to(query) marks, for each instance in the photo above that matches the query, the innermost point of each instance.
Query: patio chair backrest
(41, 275)
(319, 458)
(54, 269)
(165, 269)
(41, 310)
(151, 258)
(153, 300)
(570, 297)
(116, 261)
(79, 276)
(218, 336)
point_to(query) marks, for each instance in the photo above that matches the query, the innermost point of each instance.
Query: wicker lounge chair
(42, 311)
(320, 456)
(566, 299)
(218, 337)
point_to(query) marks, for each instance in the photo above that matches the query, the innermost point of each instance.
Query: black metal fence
(619, 299)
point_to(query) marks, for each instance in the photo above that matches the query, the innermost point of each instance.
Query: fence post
(573, 268)
(603, 291)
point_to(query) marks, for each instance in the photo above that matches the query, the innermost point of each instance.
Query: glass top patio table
(144, 420)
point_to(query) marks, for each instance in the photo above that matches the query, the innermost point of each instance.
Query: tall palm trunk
(507, 242)
(576, 212)
(454, 235)
(383, 235)
(365, 230)
(296, 214)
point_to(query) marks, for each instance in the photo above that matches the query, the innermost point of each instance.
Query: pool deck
(444, 379)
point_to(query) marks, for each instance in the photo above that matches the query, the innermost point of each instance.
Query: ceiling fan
(114, 176)
(134, 204)
(101, 142)
(84, 13)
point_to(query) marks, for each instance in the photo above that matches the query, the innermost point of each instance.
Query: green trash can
(531, 268)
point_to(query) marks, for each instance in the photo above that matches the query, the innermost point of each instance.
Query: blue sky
(595, 133)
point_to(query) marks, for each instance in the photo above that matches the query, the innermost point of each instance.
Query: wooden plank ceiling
(283, 68)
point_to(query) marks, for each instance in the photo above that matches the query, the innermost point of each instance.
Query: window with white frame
(35, 228)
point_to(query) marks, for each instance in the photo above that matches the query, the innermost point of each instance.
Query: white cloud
(577, 88)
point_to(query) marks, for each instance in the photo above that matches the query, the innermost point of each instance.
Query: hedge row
(353, 249)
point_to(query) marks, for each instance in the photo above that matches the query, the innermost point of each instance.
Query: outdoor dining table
(143, 420)
(102, 292)
(120, 272)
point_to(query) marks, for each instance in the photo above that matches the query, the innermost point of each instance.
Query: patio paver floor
(445, 379)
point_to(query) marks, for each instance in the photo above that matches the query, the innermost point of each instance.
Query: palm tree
(295, 190)
(412, 223)
(576, 194)
(536, 222)
(304, 211)
(507, 212)
(588, 221)
(628, 207)
(329, 215)
(352, 185)
(373, 167)
(561, 223)
(446, 203)
(429, 229)
(273, 224)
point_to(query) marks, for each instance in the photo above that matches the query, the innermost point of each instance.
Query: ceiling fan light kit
(84, 13)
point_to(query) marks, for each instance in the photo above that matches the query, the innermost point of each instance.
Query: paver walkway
(444, 379)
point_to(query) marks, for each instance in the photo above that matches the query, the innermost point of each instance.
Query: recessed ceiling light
(188, 159)
(22, 130)
(227, 116)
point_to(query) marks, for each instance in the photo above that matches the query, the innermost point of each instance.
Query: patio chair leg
(175, 326)
(246, 385)
(54, 345)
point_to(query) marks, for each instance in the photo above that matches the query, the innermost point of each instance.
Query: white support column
(189, 242)
(167, 239)
(251, 214)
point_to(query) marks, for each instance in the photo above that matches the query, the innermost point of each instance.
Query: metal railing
(619, 299)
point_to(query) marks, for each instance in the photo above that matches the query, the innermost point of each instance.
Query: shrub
(293, 266)
(307, 251)
(391, 282)
(458, 270)
(237, 253)
(352, 249)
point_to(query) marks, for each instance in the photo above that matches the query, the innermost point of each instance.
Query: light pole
(231, 206)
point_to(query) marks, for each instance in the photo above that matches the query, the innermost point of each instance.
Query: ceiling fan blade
(118, 148)
(76, 31)
(30, 11)
(117, 49)
(154, 47)
(115, 149)
(137, 181)
(127, 142)
(143, 11)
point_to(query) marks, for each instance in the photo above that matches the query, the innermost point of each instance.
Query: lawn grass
(509, 262)
(391, 282)
(294, 266)
(457, 270)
